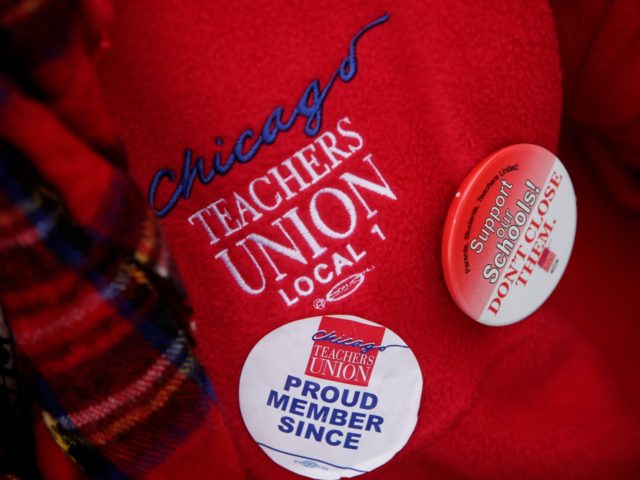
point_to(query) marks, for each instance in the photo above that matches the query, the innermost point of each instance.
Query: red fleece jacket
(438, 87)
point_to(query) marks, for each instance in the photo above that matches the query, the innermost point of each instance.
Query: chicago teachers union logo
(345, 351)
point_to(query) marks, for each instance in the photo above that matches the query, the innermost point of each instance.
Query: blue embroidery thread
(309, 106)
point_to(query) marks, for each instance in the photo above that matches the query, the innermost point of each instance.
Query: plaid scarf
(87, 287)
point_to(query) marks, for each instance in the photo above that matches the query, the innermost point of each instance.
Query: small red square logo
(547, 260)
(344, 351)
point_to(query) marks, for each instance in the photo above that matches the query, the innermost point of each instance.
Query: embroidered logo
(313, 239)
(342, 289)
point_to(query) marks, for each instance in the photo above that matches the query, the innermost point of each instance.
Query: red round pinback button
(509, 234)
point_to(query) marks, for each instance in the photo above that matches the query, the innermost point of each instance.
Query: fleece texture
(438, 87)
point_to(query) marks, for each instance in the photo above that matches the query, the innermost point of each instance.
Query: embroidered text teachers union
(249, 142)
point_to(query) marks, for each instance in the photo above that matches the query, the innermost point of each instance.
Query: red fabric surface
(439, 86)
(88, 288)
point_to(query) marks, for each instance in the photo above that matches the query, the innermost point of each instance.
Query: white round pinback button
(509, 234)
(330, 397)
